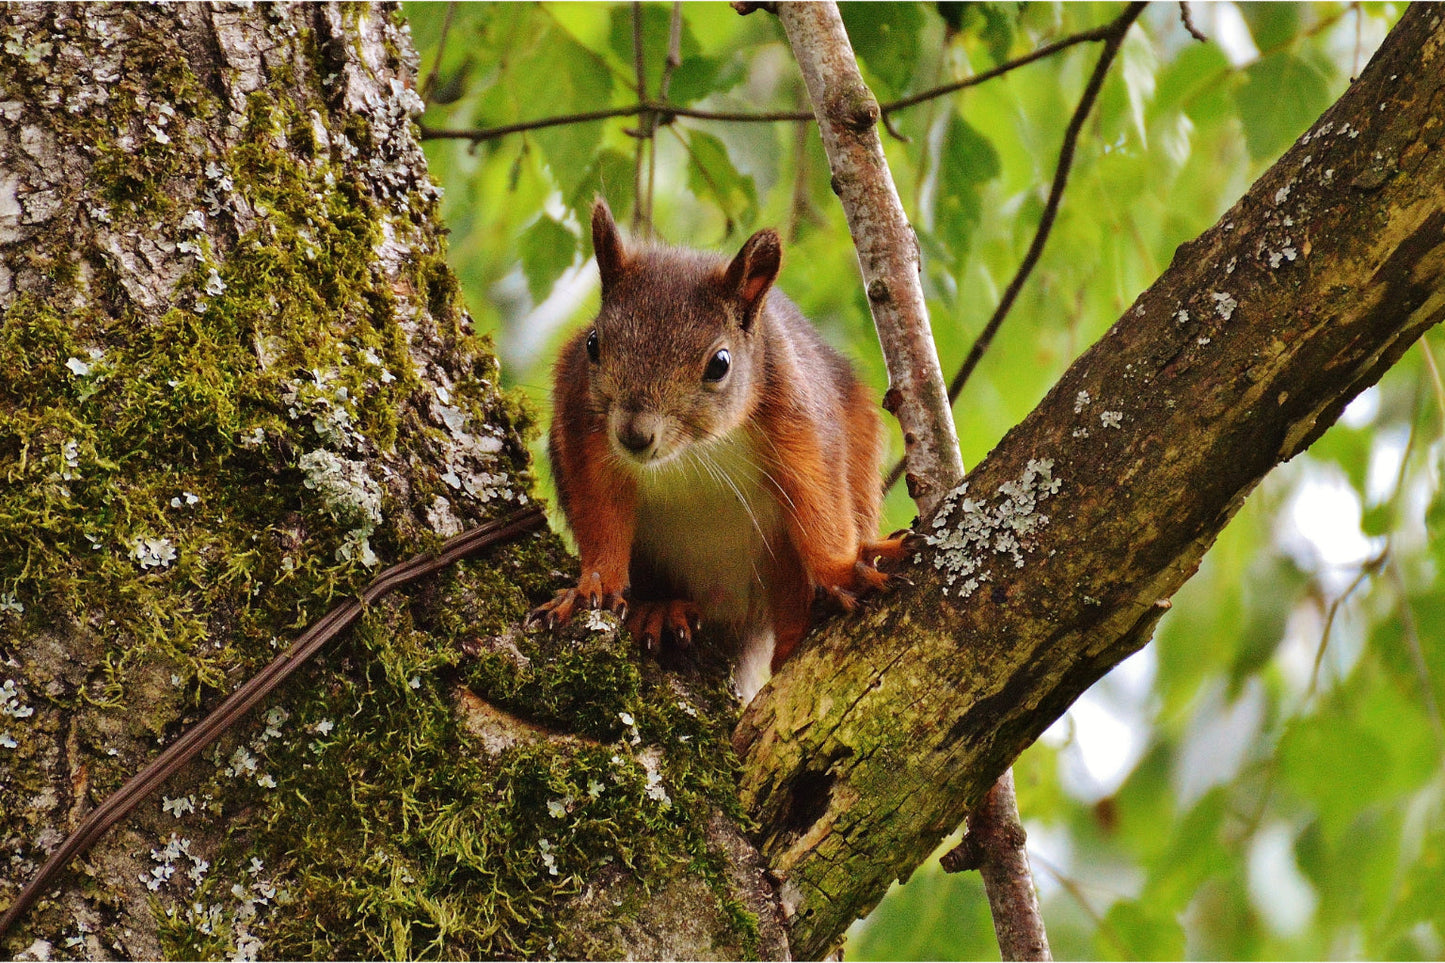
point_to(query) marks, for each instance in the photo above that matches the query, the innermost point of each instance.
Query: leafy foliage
(1265, 779)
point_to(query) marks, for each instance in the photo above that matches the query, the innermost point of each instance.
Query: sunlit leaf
(1283, 94)
(713, 175)
(547, 249)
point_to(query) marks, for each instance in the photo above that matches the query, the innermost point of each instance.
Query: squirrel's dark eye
(593, 352)
(717, 367)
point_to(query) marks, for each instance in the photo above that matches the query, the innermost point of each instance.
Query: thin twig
(1047, 50)
(440, 133)
(115, 807)
(1371, 566)
(1113, 40)
(642, 210)
(674, 51)
(431, 77)
(1434, 370)
(1072, 887)
(994, 844)
(888, 252)
(1186, 18)
(664, 108)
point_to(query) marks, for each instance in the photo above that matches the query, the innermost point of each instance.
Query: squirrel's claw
(651, 621)
(846, 600)
(893, 550)
(872, 569)
(588, 593)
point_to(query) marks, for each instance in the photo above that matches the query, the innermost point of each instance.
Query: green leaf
(967, 162)
(1146, 934)
(609, 176)
(949, 920)
(885, 38)
(712, 174)
(535, 54)
(1371, 745)
(998, 28)
(1282, 95)
(1271, 24)
(547, 249)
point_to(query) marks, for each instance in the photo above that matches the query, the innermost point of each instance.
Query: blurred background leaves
(1265, 779)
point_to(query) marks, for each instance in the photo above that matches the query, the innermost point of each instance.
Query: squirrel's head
(675, 357)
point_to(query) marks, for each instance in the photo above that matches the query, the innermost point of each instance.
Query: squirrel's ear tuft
(607, 245)
(752, 273)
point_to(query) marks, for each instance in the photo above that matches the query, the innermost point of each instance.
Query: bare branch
(995, 847)
(666, 111)
(642, 181)
(429, 85)
(1114, 38)
(674, 50)
(1047, 50)
(887, 248)
(1186, 18)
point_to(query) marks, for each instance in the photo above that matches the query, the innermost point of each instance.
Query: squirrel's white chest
(710, 521)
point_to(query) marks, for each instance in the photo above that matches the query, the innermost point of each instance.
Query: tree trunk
(237, 381)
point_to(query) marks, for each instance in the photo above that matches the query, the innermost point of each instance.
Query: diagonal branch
(1062, 552)
(888, 252)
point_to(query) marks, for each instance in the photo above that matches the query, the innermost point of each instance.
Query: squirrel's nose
(634, 438)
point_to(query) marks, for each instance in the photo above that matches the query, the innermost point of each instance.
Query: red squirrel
(715, 459)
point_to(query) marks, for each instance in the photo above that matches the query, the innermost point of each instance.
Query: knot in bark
(855, 108)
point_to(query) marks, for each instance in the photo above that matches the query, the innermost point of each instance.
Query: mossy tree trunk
(234, 380)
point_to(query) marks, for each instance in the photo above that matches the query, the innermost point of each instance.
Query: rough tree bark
(1060, 553)
(236, 382)
(234, 369)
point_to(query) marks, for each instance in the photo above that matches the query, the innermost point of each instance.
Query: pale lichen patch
(969, 535)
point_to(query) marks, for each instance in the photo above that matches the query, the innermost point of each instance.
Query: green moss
(124, 431)
(398, 834)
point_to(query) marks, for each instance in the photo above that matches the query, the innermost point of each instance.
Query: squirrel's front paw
(849, 581)
(650, 621)
(892, 551)
(589, 593)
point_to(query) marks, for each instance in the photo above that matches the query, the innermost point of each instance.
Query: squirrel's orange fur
(715, 459)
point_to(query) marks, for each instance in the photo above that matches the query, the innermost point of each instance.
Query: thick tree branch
(1059, 556)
